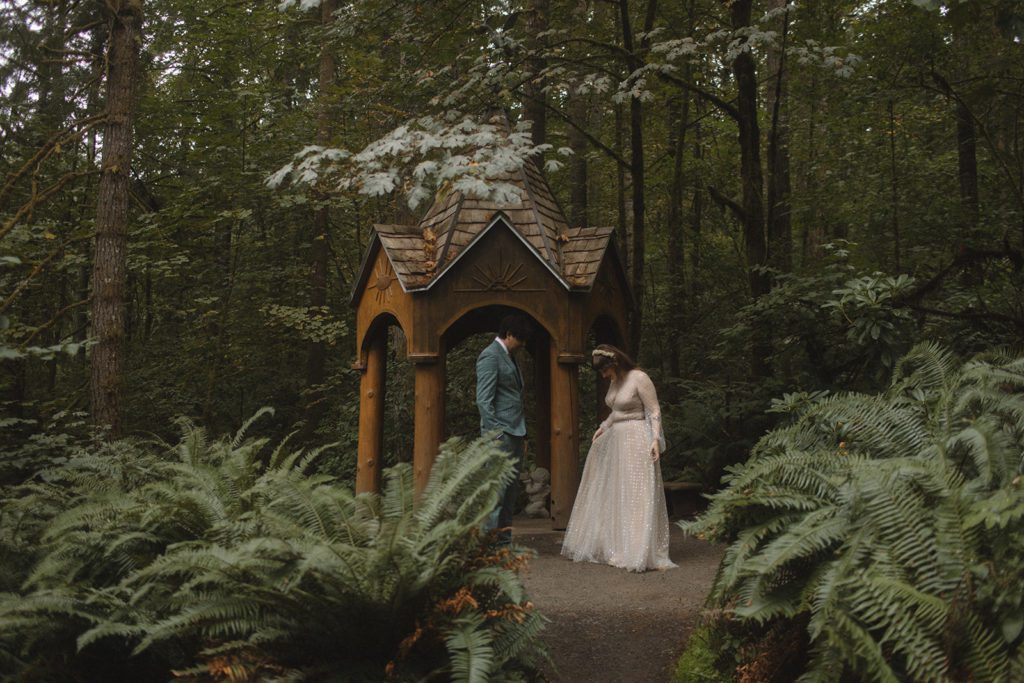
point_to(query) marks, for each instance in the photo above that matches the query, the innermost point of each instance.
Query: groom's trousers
(501, 517)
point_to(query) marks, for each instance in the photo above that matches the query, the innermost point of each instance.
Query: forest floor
(607, 624)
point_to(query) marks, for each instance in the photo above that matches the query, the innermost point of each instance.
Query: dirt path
(611, 625)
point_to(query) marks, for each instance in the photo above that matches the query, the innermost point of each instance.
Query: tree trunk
(621, 227)
(751, 176)
(895, 186)
(534, 109)
(316, 358)
(679, 111)
(578, 164)
(780, 228)
(811, 237)
(110, 256)
(697, 203)
(967, 166)
(636, 165)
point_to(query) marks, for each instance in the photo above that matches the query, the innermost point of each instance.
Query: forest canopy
(801, 190)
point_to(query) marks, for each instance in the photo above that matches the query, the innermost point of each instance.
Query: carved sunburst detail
(385, 278)
(499, 277)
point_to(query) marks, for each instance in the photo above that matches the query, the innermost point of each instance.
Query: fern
(471, 651)
(895, 522)
(209, 549)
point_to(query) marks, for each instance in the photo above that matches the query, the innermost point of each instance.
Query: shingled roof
(421, 254)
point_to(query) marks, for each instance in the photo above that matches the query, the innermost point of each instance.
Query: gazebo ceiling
(421, 254)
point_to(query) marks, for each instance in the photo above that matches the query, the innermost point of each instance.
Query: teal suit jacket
(499, 392)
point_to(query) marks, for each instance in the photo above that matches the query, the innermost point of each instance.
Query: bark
(316, 358)
(578, 165)
(751, 175)
(636, 164)
(535, 100)
(780, 228)
(621, 226)
(967, 167)
(894, 185)
(110, 254)
(811, 239)
(678, 116)
(967, 157)
(697, 202)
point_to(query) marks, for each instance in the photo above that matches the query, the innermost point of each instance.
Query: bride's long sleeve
(652, 409)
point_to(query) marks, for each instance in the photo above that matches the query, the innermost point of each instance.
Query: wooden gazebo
(453, 275)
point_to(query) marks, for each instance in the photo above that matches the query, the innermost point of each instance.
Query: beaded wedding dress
(619, 517)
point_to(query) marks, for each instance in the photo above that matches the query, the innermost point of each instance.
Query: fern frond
(240, 435)
(887, 519)
(514, 639)
(459, 470)
(397, 498)
(505, 581)
(471, 650)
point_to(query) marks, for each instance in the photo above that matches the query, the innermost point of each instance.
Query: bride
(619, 517)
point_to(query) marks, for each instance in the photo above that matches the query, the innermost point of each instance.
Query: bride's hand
(655, 452)
(597, 434)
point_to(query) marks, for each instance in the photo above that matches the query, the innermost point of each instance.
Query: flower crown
(603, 352)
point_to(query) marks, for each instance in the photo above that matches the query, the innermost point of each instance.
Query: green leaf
(1012, 626)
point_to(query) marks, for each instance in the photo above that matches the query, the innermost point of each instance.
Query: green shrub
(224, 555)
(699, 662)
(893, 522)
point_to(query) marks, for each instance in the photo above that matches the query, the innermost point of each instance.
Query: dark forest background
(801, 192)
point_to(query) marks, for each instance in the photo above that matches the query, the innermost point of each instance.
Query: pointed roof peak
(456, 218)
(422, 253)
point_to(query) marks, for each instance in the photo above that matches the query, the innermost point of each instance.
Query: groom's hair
(516, 324)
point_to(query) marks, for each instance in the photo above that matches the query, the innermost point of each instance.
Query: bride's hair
(607, 356)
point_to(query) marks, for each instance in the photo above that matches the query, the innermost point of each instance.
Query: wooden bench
(683, 498)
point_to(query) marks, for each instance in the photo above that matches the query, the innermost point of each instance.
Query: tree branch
(38, 198)
(971, 315)
(726, 107)
(48, 148)
(947, 90)
(52, 321)
(725, 202)
(612, 154)
(964, 257)
(38, 269)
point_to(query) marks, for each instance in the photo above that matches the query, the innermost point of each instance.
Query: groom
(499, 397)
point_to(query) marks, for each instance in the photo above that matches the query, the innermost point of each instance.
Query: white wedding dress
(619, 517)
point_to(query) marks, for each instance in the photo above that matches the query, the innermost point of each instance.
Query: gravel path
(608, 624)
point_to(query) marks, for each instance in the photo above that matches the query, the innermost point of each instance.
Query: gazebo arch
(451, 275)
(483, 318)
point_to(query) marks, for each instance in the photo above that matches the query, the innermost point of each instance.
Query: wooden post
(542, 384)
(371, 415)
(428, 431)
(564, 437)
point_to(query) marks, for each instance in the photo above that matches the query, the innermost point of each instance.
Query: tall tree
(109, 273)
(535, 100)
(638, 246)
(578, 171)
(320, 246)
(751, 175)
(678, 117)
(780, 228)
